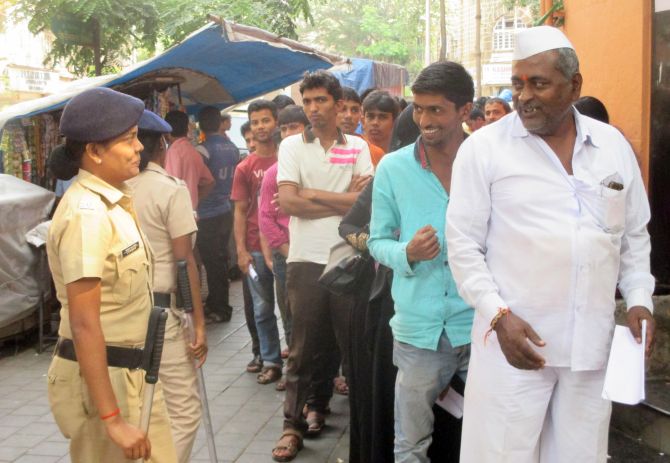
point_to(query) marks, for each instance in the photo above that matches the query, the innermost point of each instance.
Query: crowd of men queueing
(495, 239)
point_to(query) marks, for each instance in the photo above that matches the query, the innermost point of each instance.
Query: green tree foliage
(384, 30)
(181, 17)
(123, 25)
(130, 25)
(532, 5)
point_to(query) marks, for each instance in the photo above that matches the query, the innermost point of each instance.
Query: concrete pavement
(247, 417)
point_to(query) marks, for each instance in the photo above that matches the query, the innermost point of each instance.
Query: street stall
(362, 74)
(221, 64)
(23, 206)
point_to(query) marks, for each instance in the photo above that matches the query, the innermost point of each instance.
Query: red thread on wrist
(502, 311)
(113, 414)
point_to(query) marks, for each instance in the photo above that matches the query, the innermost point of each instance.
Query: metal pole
(478, 46)
(187, 324)
(426, 56)
(443, 30)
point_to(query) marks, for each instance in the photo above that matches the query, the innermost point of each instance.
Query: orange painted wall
(613, 42)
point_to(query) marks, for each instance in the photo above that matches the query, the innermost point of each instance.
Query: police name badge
(86, 204)
(131, 249)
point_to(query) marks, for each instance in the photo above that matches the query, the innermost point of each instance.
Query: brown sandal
(293, 447)
(269, 375)
(340, 385)
(315, 423)
(305, 411)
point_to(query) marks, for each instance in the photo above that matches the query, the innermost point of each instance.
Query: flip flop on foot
(256, 365)
(315, 423)
(287, 448)
(269, 375)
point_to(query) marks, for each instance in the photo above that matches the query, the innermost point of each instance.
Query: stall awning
(221, 64)
(362, 74)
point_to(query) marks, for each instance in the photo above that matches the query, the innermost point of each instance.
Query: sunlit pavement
(246, 416)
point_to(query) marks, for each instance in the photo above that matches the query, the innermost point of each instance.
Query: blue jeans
(422, 375)
(279, 269)
(262, 292)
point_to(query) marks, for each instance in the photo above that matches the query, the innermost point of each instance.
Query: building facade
(23, 74)
(497, 28)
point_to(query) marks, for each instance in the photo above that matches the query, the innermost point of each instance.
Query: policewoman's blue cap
(153, 122)
(99, 114)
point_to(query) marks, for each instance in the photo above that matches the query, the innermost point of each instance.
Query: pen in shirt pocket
(613, 182)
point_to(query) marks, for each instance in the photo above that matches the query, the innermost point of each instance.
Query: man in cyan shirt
(431, 325)
(183, 161)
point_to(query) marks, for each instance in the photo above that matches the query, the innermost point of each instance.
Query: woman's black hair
(65, 159)
(592, 107)
(151, 141)
(405, 130)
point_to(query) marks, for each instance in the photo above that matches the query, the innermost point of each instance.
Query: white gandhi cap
(538, 39)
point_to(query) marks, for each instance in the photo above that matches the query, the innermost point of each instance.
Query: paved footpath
(247, 417)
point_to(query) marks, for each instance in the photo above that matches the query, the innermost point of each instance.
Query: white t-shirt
(304, 162)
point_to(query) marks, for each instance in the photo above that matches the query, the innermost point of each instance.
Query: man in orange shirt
(349, 119)
(380, 110)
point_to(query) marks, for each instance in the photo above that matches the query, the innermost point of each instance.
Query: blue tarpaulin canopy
(359, 76)
(362, 74)
(220, 64)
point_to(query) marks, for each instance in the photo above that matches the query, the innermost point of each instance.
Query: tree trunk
(96, 47)
(443, 31)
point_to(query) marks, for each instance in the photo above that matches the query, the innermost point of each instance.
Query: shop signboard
(31, 80)
(496, 73)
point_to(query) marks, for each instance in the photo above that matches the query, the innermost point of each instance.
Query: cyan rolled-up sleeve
(383, 243)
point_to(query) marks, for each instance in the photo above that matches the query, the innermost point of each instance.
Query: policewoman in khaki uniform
(165, 212)
(101, 266)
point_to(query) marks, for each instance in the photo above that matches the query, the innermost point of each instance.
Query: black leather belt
(164, 300)
(122, 357)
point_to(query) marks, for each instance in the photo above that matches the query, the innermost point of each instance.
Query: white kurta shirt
(523, 233)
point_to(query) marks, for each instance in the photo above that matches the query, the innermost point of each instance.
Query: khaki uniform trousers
(180, 388)
(79, 420)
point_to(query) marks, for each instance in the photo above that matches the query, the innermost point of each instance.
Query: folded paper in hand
(452, 402)
(624, 379)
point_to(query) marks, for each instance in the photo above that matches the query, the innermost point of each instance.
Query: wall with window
(503, 32)
(498, 25)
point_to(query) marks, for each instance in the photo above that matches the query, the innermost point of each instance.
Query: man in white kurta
(548, 214)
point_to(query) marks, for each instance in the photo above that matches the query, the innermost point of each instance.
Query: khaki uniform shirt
(95, 234)
(164, 209)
